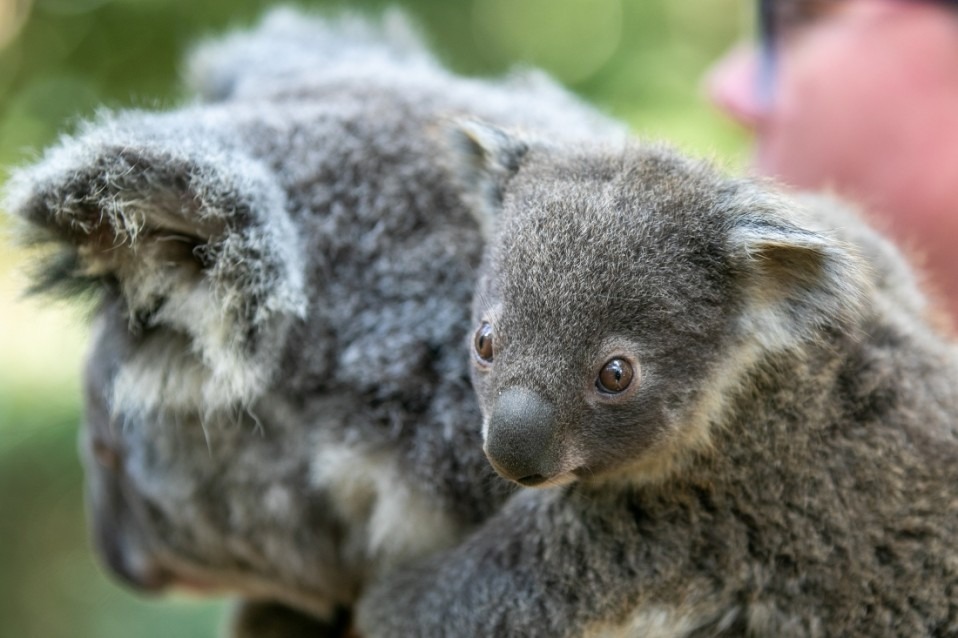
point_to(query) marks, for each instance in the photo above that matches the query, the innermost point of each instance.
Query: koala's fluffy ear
(193, 234)
(484, 159)
(798, 281)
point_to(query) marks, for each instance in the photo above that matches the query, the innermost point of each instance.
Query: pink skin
(865, 103)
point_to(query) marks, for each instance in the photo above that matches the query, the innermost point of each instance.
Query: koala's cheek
(485, 429)
(485, 408)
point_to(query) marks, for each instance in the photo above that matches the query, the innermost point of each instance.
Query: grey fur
(784, 461)
(277, 401)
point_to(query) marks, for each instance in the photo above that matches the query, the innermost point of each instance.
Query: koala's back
(292, 55)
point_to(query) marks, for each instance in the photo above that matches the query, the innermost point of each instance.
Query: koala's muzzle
(135, 570)
(521, 440)
(118, 540)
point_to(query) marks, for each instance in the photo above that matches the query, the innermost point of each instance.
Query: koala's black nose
(521, 440)
(116, 535)
(135, 569)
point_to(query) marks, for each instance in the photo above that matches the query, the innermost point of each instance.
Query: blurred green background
(641, 60)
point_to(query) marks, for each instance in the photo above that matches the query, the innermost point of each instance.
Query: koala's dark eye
(483, 343)
(616, 375)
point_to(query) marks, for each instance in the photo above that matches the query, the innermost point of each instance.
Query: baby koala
(742, 428)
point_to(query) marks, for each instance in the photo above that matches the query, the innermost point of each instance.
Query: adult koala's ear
(484, 159)
(191, 234)
(797, 281)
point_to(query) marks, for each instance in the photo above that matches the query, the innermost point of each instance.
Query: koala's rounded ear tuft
(488, 147)
(189, 232)
(798, 280)
(484, 159)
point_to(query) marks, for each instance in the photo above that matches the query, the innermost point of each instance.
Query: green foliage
(639, 59)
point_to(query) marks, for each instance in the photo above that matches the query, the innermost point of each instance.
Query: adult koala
(277, 395)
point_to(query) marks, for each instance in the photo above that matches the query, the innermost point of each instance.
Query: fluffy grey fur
(277, 398)
(783, 461)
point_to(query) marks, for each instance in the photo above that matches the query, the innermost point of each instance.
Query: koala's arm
(513, 577)
(549, 565)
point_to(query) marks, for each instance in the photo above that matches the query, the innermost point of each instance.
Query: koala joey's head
(623, 293)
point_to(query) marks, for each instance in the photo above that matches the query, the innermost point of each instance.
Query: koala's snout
(134, 568)
(131, 564)
(116, 532)
(521, 440)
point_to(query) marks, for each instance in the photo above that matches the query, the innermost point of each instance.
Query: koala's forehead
(572, 235)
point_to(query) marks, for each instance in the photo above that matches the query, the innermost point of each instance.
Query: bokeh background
(60, 60)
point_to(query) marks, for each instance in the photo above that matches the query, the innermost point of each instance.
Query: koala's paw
(272, 620)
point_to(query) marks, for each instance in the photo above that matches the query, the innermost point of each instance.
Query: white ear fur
(194, 235)
(798, 280)
(485, 158)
